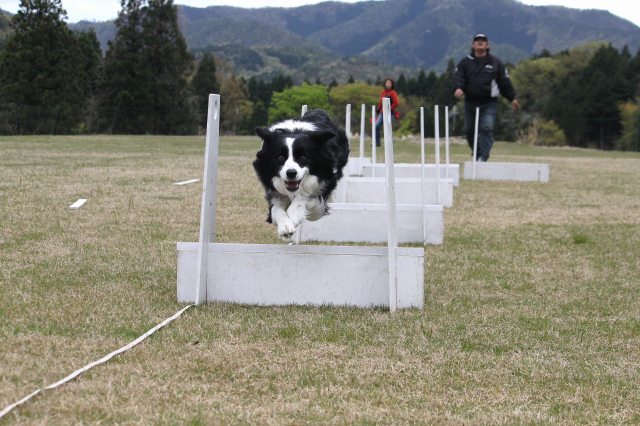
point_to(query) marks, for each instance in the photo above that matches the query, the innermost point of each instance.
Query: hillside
(304, 40)
(413, 33)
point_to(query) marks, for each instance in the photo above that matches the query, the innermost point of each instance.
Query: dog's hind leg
(315, 208)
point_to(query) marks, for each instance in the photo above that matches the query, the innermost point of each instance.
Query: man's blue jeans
(379, 124)
(487, 121)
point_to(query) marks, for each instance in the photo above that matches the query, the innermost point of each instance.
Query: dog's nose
(292, 173)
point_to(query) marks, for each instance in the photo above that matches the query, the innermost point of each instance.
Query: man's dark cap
(481, 37)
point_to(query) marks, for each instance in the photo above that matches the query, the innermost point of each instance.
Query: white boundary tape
(102, 360)
(78, 203)
(186, 182)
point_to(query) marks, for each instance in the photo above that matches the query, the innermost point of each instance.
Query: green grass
(532, 305)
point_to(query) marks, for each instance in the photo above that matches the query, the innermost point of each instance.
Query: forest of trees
(56, 81)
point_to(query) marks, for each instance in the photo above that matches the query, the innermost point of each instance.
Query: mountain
(398, 33)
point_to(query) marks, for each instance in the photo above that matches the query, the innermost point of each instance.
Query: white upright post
(392, 241)
(209, 193)
(446, 139)
(373, 141)
(362, 118)
(436, 115)
(475, 144)
(347, 122)
(422, 171)
(297, 238)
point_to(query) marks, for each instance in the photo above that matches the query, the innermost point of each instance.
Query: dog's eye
(281, 158)
(302, 158)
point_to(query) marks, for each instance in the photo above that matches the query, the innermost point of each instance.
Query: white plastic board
(363, 190)
(264, 274)
(411, 170)
(368, 223)
(522, 172)
(355, 166)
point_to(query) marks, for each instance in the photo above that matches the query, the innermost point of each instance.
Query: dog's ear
(321, 136)
(264, 133)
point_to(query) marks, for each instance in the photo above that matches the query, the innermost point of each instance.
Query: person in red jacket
(388, 92)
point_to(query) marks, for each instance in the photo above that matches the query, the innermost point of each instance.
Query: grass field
(532, 305)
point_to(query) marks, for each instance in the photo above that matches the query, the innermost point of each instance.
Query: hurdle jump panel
(411, 170)
(364, 190)
(366, 223)
(265, 274)
(520, 172)
(355, 166)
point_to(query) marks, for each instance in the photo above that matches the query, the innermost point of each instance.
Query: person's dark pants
(379, 128)
(487, 121)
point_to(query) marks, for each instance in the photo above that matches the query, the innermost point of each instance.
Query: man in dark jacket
(480, 77)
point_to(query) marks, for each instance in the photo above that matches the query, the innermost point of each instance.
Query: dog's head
(290, 154)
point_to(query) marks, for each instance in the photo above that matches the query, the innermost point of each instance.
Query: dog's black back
(339, 144)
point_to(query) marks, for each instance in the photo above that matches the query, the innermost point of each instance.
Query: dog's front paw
(286, 228)
(297, 213)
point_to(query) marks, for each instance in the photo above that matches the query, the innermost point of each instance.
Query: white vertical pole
(209, 195)
(392, 230)
(373, 140)
(446, 139)
(297, 237)
(362, 118)
(422, 171)
(436, 115)
(475, 144)
(347, 122)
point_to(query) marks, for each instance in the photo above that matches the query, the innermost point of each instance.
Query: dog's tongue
(292, 185)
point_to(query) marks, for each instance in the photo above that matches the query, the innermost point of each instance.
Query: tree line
(54, 80)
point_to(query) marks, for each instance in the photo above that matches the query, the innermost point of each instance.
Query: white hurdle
(413, 170)
(355, 164)
(355, 188)
(446, 147)
(366, 222)
(252, 273)
(520, 172)
(475, 144)
(373, 141)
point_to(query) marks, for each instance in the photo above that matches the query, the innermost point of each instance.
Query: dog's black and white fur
(299, 165)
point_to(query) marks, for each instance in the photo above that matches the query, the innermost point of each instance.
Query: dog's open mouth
(292, 185)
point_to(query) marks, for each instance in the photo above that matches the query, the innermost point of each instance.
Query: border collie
(299, 165)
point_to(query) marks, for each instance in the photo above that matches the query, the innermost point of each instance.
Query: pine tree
(444, 93)
(167, 64)
(144, 81)
(43, 66)
(421, 88)
(604, 76)
(123, 95)
(401, 85)
(92, 55)
(205, 82)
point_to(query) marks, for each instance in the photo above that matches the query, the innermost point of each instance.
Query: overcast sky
(102, 10)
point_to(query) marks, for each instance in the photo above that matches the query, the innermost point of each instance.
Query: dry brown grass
(532, 310)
